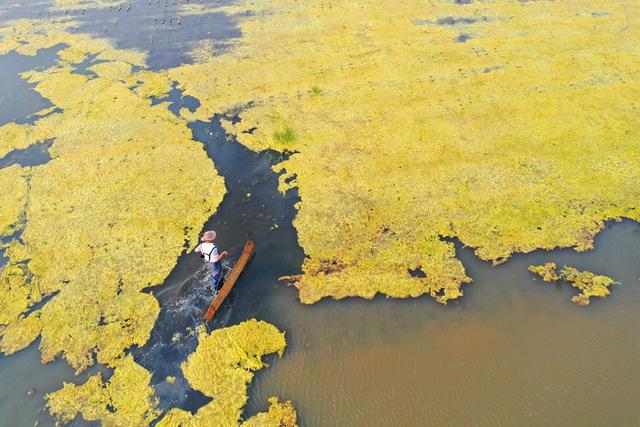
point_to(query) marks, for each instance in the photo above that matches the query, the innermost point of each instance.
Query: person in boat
(209, 253)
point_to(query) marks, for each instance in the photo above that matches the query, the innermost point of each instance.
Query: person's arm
(198, 248)
(219, 257)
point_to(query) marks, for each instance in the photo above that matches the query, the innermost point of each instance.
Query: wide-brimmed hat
(209, 235)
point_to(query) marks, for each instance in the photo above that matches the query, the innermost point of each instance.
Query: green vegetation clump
(546, 271)
(285, 136)
(589, 284)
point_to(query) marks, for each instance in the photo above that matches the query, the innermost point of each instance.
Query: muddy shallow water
(512, 351)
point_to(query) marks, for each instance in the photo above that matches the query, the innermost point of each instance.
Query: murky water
(512, 351)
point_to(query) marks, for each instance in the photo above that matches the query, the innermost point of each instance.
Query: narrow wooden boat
(230, 280)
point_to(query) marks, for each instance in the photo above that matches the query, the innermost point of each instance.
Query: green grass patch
(286, 136)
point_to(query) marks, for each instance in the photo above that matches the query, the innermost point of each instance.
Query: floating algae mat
(221, 367)
(589, 284)
(523, 137)
(504, 126)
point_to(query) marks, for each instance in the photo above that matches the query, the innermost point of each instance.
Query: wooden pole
(230, 281)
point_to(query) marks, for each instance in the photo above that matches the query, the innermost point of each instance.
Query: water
(34, 155)
(18, 100)
(252, 209)
(512, 351)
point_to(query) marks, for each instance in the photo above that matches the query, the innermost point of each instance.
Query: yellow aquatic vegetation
(188, 9)
(15, 136)
(126, 190)
(85, 4)
(149, 83)
(203, 51)
(17, 294)
(589, 284)
(13, 198)
(126, 399)
(222, 367)
(231, 9)
(112, 70)
(19, 333)
(546, 271)
(278, 415)
(508, 125)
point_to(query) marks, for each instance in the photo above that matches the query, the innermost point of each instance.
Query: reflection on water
(513, 350)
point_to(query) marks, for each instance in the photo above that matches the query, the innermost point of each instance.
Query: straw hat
(209, 235)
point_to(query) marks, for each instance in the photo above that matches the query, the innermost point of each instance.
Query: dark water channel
(251, 209)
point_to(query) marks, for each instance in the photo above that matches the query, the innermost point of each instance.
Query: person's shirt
(208, 250)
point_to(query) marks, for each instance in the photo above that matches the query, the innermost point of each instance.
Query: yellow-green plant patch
(522, 137)
(222, 367)
(126, 399)
(588, 283)
(13, 198)
(107, 217)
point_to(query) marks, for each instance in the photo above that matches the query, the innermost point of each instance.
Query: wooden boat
(230, 281)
